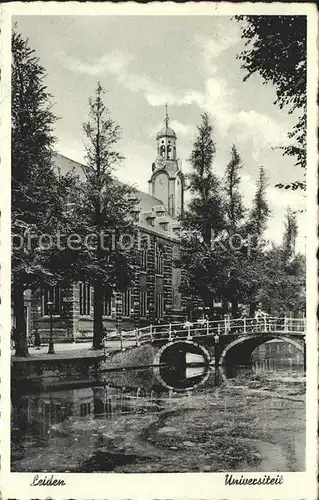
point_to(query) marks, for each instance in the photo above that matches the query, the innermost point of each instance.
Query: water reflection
(36, 416)
(181, 378)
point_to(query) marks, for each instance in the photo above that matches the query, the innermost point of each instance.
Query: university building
(155, 293)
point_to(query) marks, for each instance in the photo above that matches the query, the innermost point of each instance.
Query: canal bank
(75, 363)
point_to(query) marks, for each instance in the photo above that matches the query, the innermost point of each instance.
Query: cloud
(118, 64)
(212, 48)
(114, 62)
(218, 97)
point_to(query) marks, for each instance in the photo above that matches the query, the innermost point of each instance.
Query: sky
(188, 62)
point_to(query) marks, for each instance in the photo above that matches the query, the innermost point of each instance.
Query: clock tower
(167, 180)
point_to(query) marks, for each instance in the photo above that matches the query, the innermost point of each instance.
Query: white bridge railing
(204, 328)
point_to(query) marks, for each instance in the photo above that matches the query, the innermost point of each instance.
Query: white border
(300, 485)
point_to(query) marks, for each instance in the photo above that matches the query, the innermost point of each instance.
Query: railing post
(121, 340)
(265, 323)
(137, 337)
(207, 327)
(218, 328)
(151, 332)
(170, 331)
(189, 331)
(245, 326)
(285, 324)
(225, 325)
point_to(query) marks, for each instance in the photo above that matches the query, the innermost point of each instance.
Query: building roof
(166, 132)
(150, 210)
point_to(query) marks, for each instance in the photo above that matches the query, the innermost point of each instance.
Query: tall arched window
(169, 151)
(163, 151)
(159, 260)
(85, 299)
(52, 294)
(127, 303)
(143, 256)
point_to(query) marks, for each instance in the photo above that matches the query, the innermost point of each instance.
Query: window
(159, 260)
(107, 305)
(159, 305)
(85, 409)
(85, 299)
(162, 150)
(52, 294)
(143, 303)
(127, 303)
(143, 258)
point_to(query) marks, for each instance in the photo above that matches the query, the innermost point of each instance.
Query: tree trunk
(224, 306)
(252, 309)
(98, 315)
(234, 308)
(21, 343)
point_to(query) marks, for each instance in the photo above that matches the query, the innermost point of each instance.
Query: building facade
(155, 293)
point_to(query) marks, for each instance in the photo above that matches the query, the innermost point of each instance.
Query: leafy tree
(234, 203)
(290, 234)
(258, 216)
(205, 212)
(277, 50)
(38, 194)
(236, 231)
(204, 219)
(103, 207)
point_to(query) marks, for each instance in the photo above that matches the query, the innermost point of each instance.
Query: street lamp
(51, 345)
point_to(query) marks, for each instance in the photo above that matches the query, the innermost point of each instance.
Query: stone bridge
(223, 342)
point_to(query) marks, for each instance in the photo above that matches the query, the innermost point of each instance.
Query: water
(166, 420)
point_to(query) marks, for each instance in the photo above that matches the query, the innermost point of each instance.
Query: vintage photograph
(158, 245)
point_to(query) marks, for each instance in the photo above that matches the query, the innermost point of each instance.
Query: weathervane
(166, 116)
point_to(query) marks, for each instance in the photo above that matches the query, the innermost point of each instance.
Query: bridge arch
(193, 383)
(239, 351)
(186, 345)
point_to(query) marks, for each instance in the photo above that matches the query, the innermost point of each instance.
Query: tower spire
(166, 116)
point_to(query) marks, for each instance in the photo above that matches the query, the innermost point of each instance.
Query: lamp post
(51, 345)
(217, 350)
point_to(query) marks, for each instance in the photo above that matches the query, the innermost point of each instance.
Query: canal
(166, 420)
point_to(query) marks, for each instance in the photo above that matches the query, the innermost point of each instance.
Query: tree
(36, 210)
(205, 212)
(277, 50)
(204, 220)
(260, 211)
(290, 235)
(234, 201)
(235, 212)
(103, 210)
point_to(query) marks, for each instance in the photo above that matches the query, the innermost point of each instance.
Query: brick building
(154, 295)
